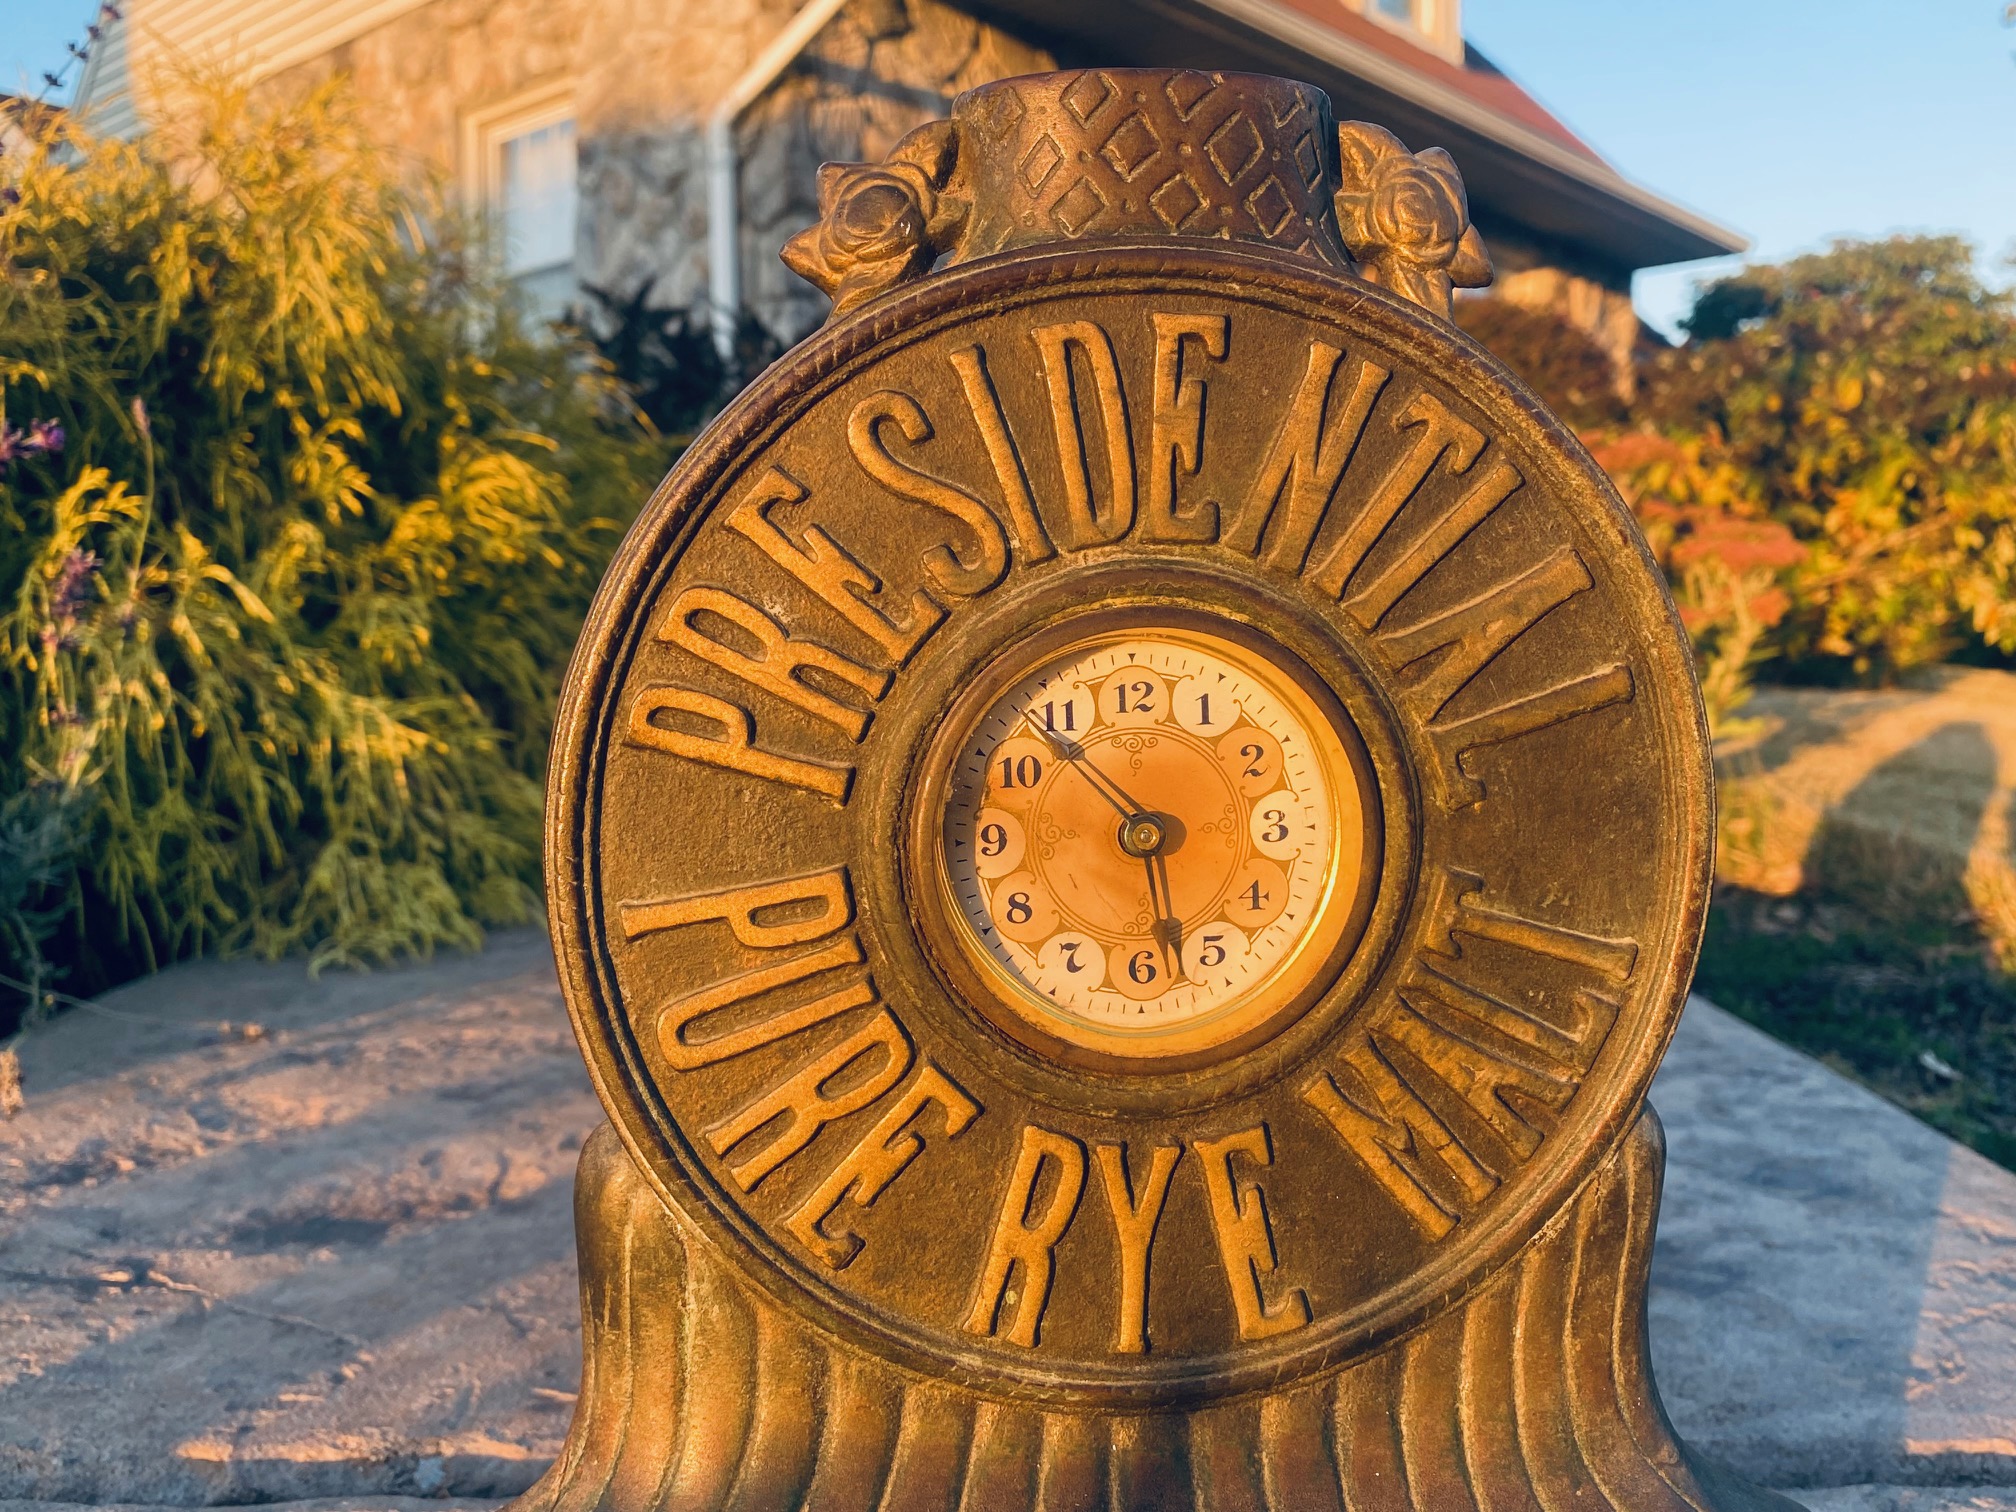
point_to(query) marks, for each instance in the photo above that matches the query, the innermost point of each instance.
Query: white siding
(259, 36)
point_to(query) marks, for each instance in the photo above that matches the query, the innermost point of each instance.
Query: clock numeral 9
(997, 842)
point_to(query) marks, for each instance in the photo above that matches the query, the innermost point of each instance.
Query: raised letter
(805, 1107)
(1454, 908)
(1176, 433)
(682, 1012)
(1305, 462)
(1245, 1243)
(732, 745)
(1134, 1222)
(865, 1171)
(1406, 1146)
(957, 575)
(1088, 524)
(1433, 542)
(1514, 1092)
(1024, 1238)
(1455, 645)
(738, 907)
(826, 567)
(970, 363)
(780, 661)
(1567, 1025)
(1440, 432)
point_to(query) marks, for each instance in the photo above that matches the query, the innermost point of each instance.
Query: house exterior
(582, 125)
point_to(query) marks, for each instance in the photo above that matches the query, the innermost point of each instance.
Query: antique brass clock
(1149, 840)
(1126, 834)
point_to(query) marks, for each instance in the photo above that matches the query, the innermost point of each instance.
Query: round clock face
(1152, 839)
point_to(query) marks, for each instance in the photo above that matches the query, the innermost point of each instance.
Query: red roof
(1485, 84)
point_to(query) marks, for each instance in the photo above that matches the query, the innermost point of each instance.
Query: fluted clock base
(1534, 1395)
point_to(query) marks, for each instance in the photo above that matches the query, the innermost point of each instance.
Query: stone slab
(1834, 1286)
(335, 1260)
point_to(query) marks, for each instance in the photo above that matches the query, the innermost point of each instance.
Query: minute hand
(1074, 754)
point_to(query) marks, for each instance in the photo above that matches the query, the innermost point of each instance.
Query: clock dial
(1151, 840)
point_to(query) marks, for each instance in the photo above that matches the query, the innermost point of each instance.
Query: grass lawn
(1911, 1005)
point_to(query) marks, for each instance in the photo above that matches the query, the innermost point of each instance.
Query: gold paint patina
(1127, 832)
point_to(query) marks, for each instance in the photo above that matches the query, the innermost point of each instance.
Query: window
(523, 175)
(1434, 24)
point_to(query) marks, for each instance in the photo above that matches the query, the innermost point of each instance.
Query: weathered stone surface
(317, 1504)
(335, 1260)
(1909, 1499)
(1834, 1289)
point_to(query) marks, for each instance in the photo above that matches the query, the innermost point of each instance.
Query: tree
(1865, 397)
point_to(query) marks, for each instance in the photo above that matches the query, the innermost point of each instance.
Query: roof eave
(1514, 172)
(1687, 234)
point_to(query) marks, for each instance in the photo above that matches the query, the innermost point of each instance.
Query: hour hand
(1168, 928)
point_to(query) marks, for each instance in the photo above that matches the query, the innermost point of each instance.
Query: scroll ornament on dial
(881, 224)
(1406, 219)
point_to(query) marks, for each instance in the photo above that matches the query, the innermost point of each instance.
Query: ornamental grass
(299, 515)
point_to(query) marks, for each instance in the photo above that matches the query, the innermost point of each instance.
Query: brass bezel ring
(979, 982)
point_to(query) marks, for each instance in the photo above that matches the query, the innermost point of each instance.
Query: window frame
(485, 132)
(1438, 28)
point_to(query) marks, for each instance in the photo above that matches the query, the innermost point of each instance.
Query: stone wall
(645, 75)
(1539, 274)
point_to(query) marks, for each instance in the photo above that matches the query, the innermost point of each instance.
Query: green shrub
(1865, 397)
(1559, 359)
(290, 569)
(1726, 560)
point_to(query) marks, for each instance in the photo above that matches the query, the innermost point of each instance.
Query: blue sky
(32, 37)
(1793, 121)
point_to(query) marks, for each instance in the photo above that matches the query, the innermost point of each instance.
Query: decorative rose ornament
(1406, 219)
(880, 224)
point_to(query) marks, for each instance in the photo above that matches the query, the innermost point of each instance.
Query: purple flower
(68, 599)
(10, 196)
(73, 584)
(41, 437)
